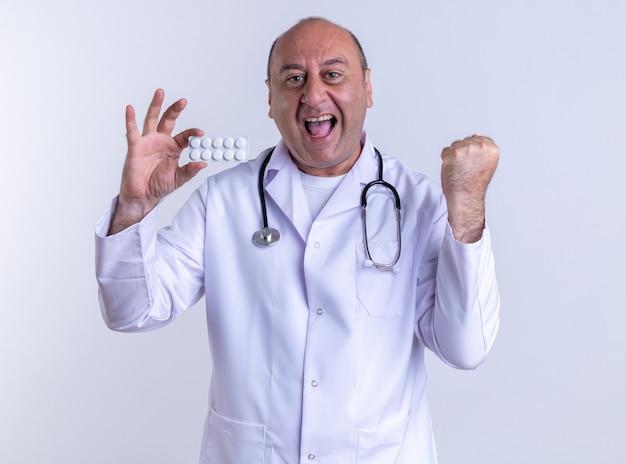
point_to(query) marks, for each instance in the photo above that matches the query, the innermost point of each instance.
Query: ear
(368, 88)
(269, 98)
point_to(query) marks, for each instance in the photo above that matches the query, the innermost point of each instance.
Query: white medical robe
(318, 357)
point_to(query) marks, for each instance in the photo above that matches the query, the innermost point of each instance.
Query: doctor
(318, 355)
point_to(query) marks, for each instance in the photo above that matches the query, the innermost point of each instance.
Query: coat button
(314, 383)
(311, 457)
(320, 311)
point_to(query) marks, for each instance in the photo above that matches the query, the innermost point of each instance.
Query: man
(318, 341)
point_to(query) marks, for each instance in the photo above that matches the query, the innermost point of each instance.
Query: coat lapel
(348, 193)
(283, 185)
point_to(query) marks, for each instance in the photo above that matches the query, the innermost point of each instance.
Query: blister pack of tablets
(218, 148)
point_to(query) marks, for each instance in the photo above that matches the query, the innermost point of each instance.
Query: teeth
(326, 117)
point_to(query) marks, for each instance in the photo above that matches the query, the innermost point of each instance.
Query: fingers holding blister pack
(218, 148)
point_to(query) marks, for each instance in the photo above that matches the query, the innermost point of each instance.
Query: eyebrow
(329, 62)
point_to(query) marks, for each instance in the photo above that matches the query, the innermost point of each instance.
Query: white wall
(544, 78)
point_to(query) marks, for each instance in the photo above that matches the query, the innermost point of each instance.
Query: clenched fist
(467, 167)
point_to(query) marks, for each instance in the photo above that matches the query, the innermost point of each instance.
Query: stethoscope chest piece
(265, 237)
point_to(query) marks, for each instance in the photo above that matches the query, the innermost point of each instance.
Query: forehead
(314, 42)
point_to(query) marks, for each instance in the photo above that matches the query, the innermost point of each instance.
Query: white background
(546, 79)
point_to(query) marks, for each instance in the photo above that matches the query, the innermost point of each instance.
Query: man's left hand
(467, 168)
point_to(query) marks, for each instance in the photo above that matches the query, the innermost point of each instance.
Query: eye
(332, 75)
(296, 79)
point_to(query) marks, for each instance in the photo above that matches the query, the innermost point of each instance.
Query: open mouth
(320, 127)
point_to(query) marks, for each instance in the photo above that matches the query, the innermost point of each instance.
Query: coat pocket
(383, 293)
(382, 445)
(230, 441)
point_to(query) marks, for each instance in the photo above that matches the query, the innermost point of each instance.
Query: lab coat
(317, 355)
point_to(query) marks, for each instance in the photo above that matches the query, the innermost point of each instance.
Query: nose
(313, 92)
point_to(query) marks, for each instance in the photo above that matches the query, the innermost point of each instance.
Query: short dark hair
(359, 48)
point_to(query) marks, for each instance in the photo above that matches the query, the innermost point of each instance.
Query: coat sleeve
(146, 277)
(459, 315)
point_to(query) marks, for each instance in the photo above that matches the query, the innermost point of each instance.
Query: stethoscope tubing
(390, 266)
(261, 187)
(267, 236)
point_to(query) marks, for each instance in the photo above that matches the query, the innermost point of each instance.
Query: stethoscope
(268, 236)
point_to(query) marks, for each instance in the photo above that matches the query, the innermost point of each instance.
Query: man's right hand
(151, 168)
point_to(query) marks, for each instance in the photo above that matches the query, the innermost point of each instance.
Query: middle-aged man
(317, 341)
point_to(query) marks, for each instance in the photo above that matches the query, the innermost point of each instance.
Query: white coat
(317, 357)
